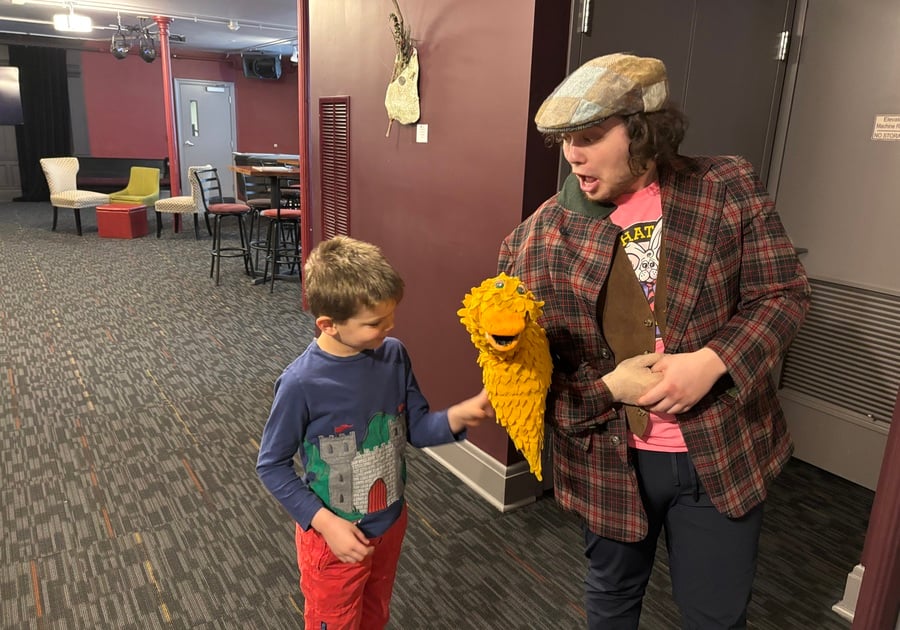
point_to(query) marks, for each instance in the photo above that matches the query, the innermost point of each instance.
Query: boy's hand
(345, 539)
(470, 412)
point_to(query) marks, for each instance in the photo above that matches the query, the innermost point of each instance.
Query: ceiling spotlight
(233, 25)
(295, 55)
(147, 46)
(119, 45)
(71, 22)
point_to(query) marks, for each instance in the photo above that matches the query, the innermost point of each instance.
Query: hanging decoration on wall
(402, 97)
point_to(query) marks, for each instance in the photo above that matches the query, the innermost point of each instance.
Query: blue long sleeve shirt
(349, 418)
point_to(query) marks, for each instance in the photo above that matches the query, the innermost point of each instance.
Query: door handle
(583, 17)
(188, 143)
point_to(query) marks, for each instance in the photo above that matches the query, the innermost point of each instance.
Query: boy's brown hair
(343, 275)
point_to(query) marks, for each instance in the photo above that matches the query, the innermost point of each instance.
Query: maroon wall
(125, 110)
(439, 210)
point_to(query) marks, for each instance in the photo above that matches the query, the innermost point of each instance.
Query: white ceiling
(269, 26)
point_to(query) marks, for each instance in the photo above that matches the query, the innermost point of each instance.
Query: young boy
(349, 404)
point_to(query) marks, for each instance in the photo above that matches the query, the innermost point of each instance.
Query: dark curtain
(47, 132)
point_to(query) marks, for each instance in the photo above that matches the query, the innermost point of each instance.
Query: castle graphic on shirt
(357, 476)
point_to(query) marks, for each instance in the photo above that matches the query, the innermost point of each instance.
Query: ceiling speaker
(262, 66)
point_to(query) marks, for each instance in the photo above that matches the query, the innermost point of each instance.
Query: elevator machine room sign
(887, 127)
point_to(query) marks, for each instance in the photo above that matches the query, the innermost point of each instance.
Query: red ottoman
(122, 220)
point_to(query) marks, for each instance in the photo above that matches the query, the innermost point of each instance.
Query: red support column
(171, 132)
(306, 223)
(878, 605)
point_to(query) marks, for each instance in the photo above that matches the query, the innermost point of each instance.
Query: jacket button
(648, 322)
(604, 353)
(615, 440)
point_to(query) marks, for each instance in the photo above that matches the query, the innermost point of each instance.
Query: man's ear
(326, 325)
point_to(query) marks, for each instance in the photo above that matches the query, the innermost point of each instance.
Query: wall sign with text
(887, 127)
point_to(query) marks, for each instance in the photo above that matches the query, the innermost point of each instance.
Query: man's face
(599, 158)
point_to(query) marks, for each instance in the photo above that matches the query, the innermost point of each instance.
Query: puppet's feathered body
(501, 316)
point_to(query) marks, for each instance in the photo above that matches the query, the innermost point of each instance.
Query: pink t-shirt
(639, 215)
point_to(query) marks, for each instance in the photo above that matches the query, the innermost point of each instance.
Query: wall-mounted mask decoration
(402, 97)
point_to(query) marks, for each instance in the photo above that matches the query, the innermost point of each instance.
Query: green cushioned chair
(143, 187)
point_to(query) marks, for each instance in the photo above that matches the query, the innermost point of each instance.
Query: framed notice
(887, 127)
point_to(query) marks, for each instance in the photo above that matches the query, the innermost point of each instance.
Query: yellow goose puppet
(501, 316)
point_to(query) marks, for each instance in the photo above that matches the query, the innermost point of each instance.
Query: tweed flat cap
(617, 84)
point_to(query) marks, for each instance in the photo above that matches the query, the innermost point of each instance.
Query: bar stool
(254, 191)
(283, 238)
(211, 196)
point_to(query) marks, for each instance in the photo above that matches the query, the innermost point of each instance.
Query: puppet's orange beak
(502, 329)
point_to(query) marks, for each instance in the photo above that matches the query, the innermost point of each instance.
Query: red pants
(348, 595)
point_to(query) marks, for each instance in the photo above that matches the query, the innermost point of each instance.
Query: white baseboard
(846, 608)
(504, 487)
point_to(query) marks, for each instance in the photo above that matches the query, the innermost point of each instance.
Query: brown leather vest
(627, 322)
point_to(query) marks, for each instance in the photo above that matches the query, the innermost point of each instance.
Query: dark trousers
(712, 558)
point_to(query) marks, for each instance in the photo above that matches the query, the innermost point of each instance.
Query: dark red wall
(126, 116)
(439, 210)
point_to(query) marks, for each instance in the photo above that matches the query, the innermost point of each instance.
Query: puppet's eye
(499, 284)
(520, 289)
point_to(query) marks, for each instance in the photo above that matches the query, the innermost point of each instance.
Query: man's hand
(632, 378)
(470, 412)
(345, 539)
(686, 378)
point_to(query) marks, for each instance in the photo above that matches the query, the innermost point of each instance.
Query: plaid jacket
(734, 284)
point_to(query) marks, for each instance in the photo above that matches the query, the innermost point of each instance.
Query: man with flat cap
(671, 293)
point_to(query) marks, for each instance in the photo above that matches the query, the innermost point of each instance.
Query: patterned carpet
(134, 392)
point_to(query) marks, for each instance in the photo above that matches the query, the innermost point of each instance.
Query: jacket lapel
(689, 239)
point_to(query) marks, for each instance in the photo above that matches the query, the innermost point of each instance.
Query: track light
(119, 46)
(147, 46)
(127, 37)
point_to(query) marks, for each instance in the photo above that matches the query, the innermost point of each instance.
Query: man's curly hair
(655, 136)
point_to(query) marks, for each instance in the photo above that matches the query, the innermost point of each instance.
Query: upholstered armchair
(61, 173)
(143, 187)
(184, 204)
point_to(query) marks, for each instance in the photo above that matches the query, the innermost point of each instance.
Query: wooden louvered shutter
(334, 158)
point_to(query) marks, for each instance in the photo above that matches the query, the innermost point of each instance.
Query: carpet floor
(134, 393)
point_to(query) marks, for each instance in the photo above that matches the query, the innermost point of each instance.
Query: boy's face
(364, 331)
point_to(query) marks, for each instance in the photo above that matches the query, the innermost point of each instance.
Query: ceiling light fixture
(71, 22)
(147, 46)
(233, 25)
(295, 56)
(128, 36)
(119, 46)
